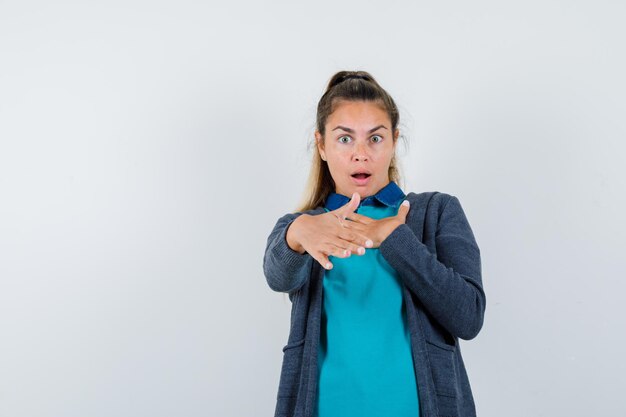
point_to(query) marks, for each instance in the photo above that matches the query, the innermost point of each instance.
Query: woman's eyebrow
(347, 129)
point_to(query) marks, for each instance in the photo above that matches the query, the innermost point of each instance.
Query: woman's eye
(343, 137)
(377, 136)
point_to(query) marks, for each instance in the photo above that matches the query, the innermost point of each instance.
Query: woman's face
(358, 139)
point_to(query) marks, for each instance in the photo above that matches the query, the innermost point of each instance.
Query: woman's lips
(361, 181)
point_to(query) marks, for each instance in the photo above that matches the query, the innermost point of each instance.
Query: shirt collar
(389, 195)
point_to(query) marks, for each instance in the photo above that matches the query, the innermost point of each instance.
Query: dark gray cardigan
(437, 257)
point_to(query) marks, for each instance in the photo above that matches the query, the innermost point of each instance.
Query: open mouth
(361, 176)
(361, 179)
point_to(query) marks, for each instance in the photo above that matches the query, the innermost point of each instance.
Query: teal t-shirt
(364, 358)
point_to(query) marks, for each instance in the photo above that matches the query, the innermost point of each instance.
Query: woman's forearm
(285, 269)
(448, 284)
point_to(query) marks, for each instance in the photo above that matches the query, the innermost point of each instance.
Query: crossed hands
(341, 232)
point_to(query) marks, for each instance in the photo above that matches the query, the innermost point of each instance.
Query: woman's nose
(360, 152)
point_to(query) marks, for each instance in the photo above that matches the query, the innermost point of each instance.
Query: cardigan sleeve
(448, 284)
(285, 269)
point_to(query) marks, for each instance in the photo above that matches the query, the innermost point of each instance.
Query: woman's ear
(395, 139)
(319, 142)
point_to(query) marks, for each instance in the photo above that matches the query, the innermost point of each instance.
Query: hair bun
(342, 76)
(363, 77)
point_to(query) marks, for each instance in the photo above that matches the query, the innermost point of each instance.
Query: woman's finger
(357, 241)
(349, 207)
(323, 260)
(322, 255)
(359, 218)
(339, 217)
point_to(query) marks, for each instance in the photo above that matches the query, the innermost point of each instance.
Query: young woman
(382, 283)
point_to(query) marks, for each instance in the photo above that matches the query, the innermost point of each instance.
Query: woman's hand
(329, 234)
(377, 230)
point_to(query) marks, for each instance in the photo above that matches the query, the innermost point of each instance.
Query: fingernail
(328, 265)
(361, 250)
(406, 203)
(369, 243)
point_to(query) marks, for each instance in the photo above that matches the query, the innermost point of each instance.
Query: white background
(147, 149)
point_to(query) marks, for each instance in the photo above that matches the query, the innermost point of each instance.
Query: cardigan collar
(390, 195)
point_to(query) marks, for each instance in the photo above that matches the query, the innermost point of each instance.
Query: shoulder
(433, 204)
(430, 199)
